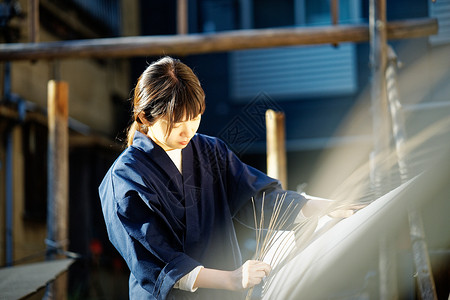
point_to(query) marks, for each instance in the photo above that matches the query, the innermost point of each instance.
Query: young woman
(170, 198)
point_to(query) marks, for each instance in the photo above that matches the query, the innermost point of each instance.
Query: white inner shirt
(175, 156)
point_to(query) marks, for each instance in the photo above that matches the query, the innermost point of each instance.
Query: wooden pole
(33, 21)
(380, 110)
(381, 136)
(422, 262)
(58, 162)
(276, 149)
(425, 280)
(212, 42)
(58, 179)
(182, 16)
(334, 12)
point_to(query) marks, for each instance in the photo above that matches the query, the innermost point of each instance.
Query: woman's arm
(316, 205)
(248, 275)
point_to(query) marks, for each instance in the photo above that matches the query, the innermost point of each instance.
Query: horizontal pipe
(213, 42)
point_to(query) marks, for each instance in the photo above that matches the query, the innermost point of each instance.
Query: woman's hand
(250, 274)
(346, 211)
(316, 206)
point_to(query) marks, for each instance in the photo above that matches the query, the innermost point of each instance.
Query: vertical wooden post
(419, 247)
(380, 111)
(58, 178)
(182, 16)
(387, 266)
(422, 262)
(276, 150)
(33, 21)
(381, 136)
(334, 12)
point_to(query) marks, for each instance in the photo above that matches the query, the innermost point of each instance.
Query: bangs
(187, 107)
(186, 103)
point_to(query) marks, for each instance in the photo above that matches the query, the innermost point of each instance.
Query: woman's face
(178, 138)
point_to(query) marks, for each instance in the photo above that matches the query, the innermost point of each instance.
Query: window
(294, 72)
(441, 10)
(280, 13)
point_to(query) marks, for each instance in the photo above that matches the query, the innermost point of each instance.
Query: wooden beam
(334, 12)
(33, 21)
(380, 111)
(182, 16)
(58, 164)
(207, 43)
(276, 148)
(381, 136)
(58, 180)
(425, 280)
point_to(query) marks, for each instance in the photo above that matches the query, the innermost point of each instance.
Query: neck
(162, 145)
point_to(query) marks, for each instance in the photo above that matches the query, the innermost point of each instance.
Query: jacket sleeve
(142, 235)
(246, 183)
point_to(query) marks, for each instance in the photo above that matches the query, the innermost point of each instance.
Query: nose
(188, 130)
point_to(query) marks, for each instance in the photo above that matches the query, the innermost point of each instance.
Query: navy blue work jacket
(164, 223)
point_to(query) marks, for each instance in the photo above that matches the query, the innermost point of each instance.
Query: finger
(264, 267)
(260, 274)
(257, 263)
(254, 281)
(267, 269)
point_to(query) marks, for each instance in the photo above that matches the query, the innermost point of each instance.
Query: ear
(141, 117)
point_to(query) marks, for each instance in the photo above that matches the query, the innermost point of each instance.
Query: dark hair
(167, 88)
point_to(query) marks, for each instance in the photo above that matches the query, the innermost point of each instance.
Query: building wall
(28, 237)
(92, 85)
(98, 92)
